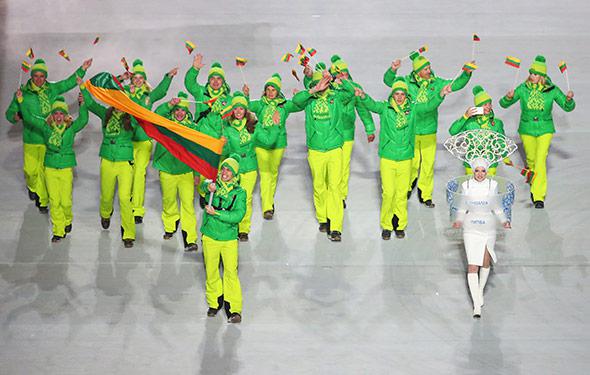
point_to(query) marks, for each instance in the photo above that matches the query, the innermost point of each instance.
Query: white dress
(478, 209)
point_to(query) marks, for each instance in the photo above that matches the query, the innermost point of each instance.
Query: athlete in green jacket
(536, 128)
(141, 93)
(37, 96)
(116, 166)
(424, 86)
(324, 137)
(270, 148)
(473, 121)
(58, 131)
(177, 179)
(219, 235)
(396, 150)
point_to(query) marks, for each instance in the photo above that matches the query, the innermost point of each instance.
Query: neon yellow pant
(536, 150)
(230, 287)
(59, 186)
(182, 185)
(142, 151)
(247, 182)
(346, 155)
(111, 174)
(491, 171)
(269, 162)
(33, 167)
(395, 177)
(326, 172)
(424, 154)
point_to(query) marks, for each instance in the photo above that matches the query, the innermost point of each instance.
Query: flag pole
(473, 50)
(20, 78)
(243, 76)
(567, 81)
(516, 78)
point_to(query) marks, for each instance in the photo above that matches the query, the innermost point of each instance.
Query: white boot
(473, 282)
(483, 279)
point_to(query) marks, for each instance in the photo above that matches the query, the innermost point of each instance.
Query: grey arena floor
(363, 306)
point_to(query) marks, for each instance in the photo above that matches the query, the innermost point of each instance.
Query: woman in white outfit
(477, 213)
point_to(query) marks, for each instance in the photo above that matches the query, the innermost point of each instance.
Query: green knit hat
(138, 68)
(39, 66)
(539, 66)
(320, 67)
(239, 100)
(399, 84)
(419, 62)
(338, 65)
(183, 104)
(59, 105)
(232, 163)
(274, 81)
(216, 70)
(480, 96)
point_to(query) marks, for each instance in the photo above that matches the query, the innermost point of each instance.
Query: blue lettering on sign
(478, 203)
(481, 222)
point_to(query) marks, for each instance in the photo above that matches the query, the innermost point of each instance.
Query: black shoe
(168, 235)
(32, 195)
(243, 237)
(191, 247)
(202, 202)
(43, 209)
(395, 222)
(128, 243)
(400, 234)
(105, 222)
(344, 204)
(386, 234)
(68, 228)
(55, 238)
(138, 219)
(428, 203)
(268, 215)
(234, 318)
(539, 204)
(324, 227)
(212, 312)
(335, 236)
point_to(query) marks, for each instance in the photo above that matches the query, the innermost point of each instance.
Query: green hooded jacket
(230, 210)
(323, 116)
(276, 135)
(163, 160)
(397, 135)
(427, 116)
(59, 152)
(146, 99)
(37, 103)
(242, 143)
(117, 142)
(536, 107)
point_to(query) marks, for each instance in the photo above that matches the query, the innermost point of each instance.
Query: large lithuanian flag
(197, 150)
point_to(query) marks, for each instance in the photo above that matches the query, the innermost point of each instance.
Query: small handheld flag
(124, 63)
(64, 54)
(423, 49)
(469, 67)
(512, 61)
(240, 61)
(96, 40)
(312, 52)
(226, 112)
(211, 101)
(476, 38)
(563, 69)
(474, 42)
(412, 55)
(190, 46)
(30, 54)
(286, 57)
(303, 60)
(294, 73)
(528, 175)
(25, 66)
(300, 50)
